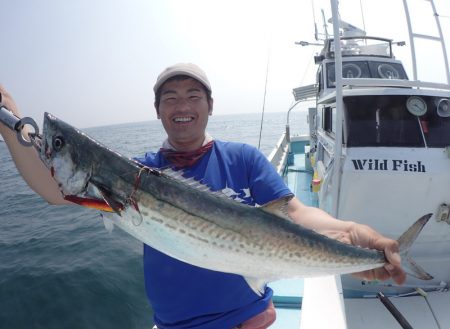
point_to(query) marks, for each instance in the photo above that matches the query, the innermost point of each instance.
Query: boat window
(357, 69)
(383, 120)
(319, 118)
(319, 78)
(366, 69)
(329, 120)
(383, 70)
(363, 46)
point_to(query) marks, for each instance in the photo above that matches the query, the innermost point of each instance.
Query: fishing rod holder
(16, 124)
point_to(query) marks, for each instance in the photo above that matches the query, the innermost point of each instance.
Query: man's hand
(351, 233)
(364, 236)
(8, 102)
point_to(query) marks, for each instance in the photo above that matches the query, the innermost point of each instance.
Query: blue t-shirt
(187, 296)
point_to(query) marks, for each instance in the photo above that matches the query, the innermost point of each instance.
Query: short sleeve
(264, 182)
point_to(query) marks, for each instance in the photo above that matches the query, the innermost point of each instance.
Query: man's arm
(27, 161)
(353, 233)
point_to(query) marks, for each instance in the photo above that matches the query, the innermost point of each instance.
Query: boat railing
(278, 156)
(439, 39)
(358, 82)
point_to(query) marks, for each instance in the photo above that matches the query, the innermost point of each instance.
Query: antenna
(316, 33)
(324, 24)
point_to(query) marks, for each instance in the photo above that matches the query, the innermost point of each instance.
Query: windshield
(385, 121)
(364, 46)
(366, 69)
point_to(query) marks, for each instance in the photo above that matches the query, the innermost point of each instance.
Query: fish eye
(58, 143)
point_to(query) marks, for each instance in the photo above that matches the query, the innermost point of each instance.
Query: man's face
(184, 111)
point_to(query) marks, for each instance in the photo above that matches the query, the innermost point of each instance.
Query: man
(183, 295)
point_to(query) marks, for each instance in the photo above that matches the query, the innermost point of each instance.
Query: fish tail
(405, 242)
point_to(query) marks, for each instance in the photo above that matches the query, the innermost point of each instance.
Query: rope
(362, 15)
(264, 99)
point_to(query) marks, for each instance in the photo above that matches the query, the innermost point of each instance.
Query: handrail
(363, 82)
(278, 156)
(339, 110)
(413, 35)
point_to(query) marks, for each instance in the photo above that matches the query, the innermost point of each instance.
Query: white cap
(188, 69)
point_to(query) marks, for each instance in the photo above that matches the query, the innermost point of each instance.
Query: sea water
(59, 266)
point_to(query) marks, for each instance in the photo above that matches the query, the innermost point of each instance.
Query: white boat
(377, 152)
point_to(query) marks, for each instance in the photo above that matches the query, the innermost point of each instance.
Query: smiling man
(185, 296)
(183, 102)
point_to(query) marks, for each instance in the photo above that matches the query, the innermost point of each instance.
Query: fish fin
(278, 207)
(109, 199)
(189, 181)
(415, 270)
(108, 222)
(193, 183)
(257, 285)
(404, 244)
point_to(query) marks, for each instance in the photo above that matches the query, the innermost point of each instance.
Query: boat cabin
(376, 111)
(362, 58)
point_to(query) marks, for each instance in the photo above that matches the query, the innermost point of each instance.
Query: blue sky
(94, 62)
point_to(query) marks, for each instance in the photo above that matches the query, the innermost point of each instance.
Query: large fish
(184, 219)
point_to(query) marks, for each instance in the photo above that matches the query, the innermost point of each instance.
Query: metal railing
(278, 156)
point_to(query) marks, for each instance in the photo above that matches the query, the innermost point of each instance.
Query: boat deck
(288, 293)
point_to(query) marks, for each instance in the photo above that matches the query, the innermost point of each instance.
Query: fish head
(61, 150)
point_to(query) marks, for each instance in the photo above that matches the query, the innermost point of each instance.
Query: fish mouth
(41, 142)
(41, 146)
(37, 142)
